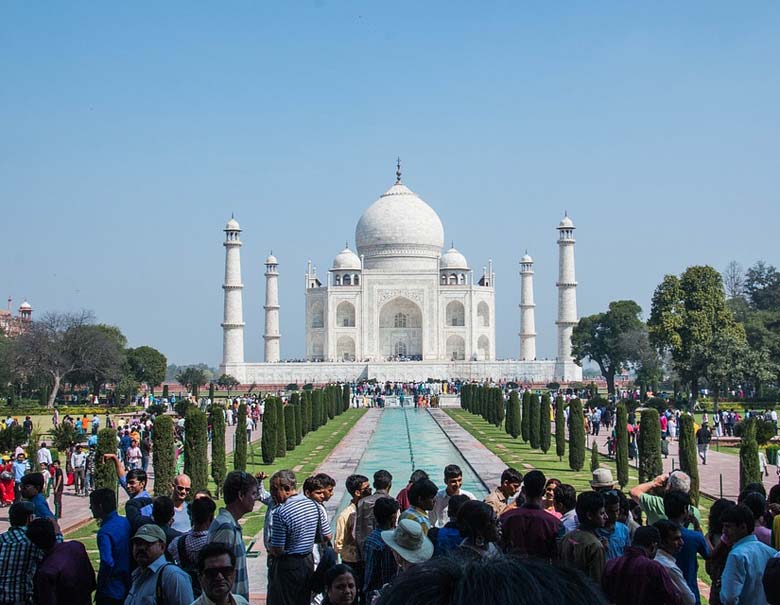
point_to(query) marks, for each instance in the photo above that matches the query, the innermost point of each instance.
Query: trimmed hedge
(239, 448)
(749, 469)
(534, 436)
(289, 423)
(560, 427)
(576, 435)
(268, 437)
(689, 462)
(513, 415)
(163, 455)
(621, 444)
(649, 442)
(105, 473)
(218, 463)
(544, 423)
(196, 456)
(525, 418)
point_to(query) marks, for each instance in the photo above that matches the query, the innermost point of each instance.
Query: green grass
(311, 452)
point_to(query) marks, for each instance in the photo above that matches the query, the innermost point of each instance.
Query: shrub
(239, 449)
(289, 424)
(13, 437)
(499, 406)
(533, 424)
(657, 403)
(650, 463)
(544, 423)
(62, 436)
(281, 429)
(316, 409)
(749, 469)
(688, 453)
(156, 409)
(105, 473)
(576, 435)
(218, 463)
(196, 440)
(553, 386)
(306, 413)
(765, 430)
(163, 455)
(621, 445)
(594, 456)
(165, 391)
(295, 401)
(181, 406)
(526, 416)
(560, 428)
(268, 437)
(346, 398)
(513, 415)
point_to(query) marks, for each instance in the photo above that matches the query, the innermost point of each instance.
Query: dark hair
(325, 479)
(354, 482)
(104, 498)
(19, 514)
(417, 475)
(512, 476)
(202, 510)
(422, 488)
(477, 520)
(666, 528)
(215, 549)
(587, 503)
(237, 482)
(774, 494)
(715, 521)
(382, 479)
(336, 571)
(34, 479)
(137, 474)
(646, 536)
(676, 504)
(771, 581)
(533, 484)
(163, 510)
(384, 510)
(739, 515)
(451, 471)
(552, 480)
(566, 495)
(755, 502)
(41, 533)
(755, 487)
(455, 504)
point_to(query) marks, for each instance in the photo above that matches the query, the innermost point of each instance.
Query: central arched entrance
(400, 329)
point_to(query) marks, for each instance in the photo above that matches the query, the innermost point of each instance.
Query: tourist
(20, 468)
(298, 525)
(408, 543)
(216, 567)
(6, 482)
(615, 531)
(741, 581)
(133, 455)
(66, 574)
(19, 557)
(528, 530)
(668, 549)
(266, 497)
(635, 578)
(453, 480)
(134, 483)
(703, 438)
(582, 548)
(238, 493)
(421, 498)
(182, 486)
(44, 455)
(652, 504)
(340, 586)
(32, 490)
(601, 480)
(78, 462)
(364, 516)
(565, 503)
(548, 503)
(719, 548)
(113, 542)
(403, 495)
(162, 516)
(478, 526)
(378, 559)
(757, 505)
(446, 539)
(676, 509)
(499, 498)
(184, 549)
(344, 542)
(173, 586)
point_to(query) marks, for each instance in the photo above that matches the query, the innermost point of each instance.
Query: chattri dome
(232, 225)
(452, 259)
(399, 223)
(346, 259)
(566, 223)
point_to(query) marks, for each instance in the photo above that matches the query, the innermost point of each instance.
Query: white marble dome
(346, 259)
(25, 306)
(526, 258)
(271, 260)
(232, 225)
(399, 224)
(566, 223)
(452, 259)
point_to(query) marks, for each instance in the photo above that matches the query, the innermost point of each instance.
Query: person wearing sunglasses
(216, 571)
(182, 521)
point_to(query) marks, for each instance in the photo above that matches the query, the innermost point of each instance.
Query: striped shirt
(295, 525)
(417, 514)
(19, 559)
(226, 529)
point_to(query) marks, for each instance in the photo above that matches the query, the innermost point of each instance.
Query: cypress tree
(650, 464)
(513, 415)
(346, 397)
(594, 456)
(295, 400)
(500, 413)
(621, 445)
(105, 473)
(163, 455)
(533, 421)
(268, 436)
(525, 419)
(218, 463)
(688, 453)
(211, 399)
(316, 409)
(576, 435)
(281, 428)
(165, 391)
(327, 397)
(306, 415)
(560, 427)
(289, 424)
(239, 449)
(196, 456)
(544, 424)
(489, 412)
(464, 396)
(749, 469)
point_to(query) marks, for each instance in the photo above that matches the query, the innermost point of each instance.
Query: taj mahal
(398, 308)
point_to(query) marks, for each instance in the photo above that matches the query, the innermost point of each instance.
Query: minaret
(527, 320)
(233, 322)
(271, 307)
(567, 289)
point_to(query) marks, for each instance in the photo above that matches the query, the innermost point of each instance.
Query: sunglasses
(212, 572)
(183, 489)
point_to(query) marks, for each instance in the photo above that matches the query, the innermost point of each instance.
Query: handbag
(6, 475)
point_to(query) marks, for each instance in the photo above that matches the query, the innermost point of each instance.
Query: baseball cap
(150, 533)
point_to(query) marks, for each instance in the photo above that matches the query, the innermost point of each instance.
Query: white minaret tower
(567, 290)
(233, 322)
(271, 307)
(527, 320)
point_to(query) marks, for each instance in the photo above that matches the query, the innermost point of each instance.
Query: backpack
(191, 567)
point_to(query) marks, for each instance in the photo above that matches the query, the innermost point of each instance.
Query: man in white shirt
(44, 455)
(453, 479)
(671, 544)
(78, 461)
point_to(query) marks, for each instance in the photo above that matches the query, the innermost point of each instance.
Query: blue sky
(130, 133)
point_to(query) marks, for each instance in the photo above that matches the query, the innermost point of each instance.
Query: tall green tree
(594, 456)
(749, 468)
(163, 455)
(499, 403)
(762, 286)
(346, 397)
(268, 437)
(544, 423)
(513, 415)
(560, 427)
(228, 383)
(289, 424)
(306, 415)
(192, 378)
(316, 409)
(649, 442)
(534, 436)
(105, 473)
(688, 453)
(621, 444)
(218, 462)
(281, 429)
(599, 338)
(525, 418)
(295, 401)
(576, 435)
(147, 365)
(239, 448)
(196, 456)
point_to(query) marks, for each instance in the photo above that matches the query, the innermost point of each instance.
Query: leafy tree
(642, 358)
(62, 436)
(594, 456)
(165, 391)
(227, 382)
(513, 415)
(525, 419)
(147, 365)
(649, 442)
(688, 313)
(111, 366)
(289, 424)
(762, 286)
(576, 435)
(534, 436)
(163, 455)
(12, 437)
(560, 428)
(749, 469)
(196, 439)
(598, 338)
(544, 423)
(105, 473)
(239, 449)
(621, 444)
(688, 453)
(192, 378)
(268, 437)
(218, 454)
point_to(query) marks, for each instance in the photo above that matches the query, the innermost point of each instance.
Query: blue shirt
(693, 543)
(741, 580)
(20, 468)
(113, 541)
(146, 511)
(176, 584)
(618, 540)
(41, 508)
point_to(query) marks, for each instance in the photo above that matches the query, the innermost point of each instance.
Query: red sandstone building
(11, 325)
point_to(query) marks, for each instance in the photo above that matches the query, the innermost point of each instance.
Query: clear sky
(130, 133)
